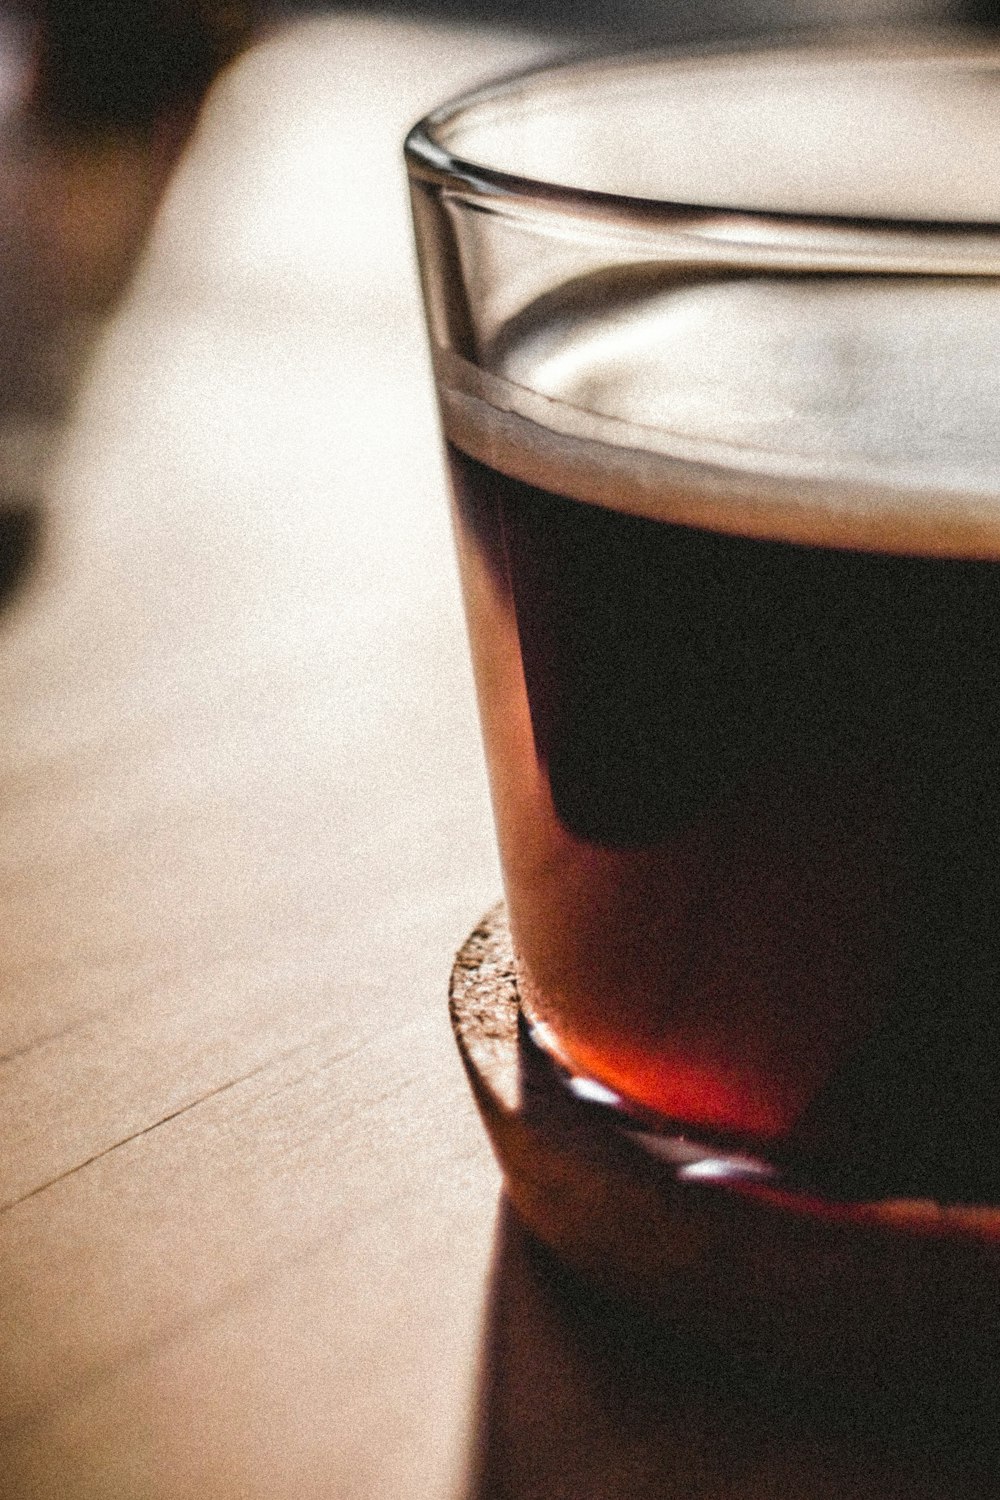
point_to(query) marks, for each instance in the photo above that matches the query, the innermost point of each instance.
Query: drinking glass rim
(430, 159)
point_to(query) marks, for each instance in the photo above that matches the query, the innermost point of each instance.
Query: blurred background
(102, 76)
(124, 58)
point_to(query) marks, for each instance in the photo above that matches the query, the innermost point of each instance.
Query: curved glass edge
(945, 246)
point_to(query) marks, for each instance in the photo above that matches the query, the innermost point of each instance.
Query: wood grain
(245, 1204)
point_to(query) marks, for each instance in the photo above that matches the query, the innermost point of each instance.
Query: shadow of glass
(587, 1397)
(584, 1400)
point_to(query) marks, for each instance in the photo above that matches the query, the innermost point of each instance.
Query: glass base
(693, 1156)
(838, 1294)
(699, 1155)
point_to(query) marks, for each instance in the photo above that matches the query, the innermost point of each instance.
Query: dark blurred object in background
(984, 13)
(97, 98)
(617, 25)
(124, 62)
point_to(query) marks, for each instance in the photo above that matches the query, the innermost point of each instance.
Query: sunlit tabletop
(251, 1235)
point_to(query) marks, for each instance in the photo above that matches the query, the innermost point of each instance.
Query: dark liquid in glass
(748, 799)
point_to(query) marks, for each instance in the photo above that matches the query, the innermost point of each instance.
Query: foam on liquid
(834, 410)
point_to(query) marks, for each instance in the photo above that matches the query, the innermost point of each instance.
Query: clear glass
(717, 345)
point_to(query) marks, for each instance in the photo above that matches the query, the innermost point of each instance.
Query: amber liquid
(747, 792)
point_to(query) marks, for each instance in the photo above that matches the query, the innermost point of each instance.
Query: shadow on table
(580, 1400)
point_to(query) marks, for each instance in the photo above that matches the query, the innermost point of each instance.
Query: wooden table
(249, 1239)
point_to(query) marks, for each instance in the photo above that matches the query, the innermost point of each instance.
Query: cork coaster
(863, 1292)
